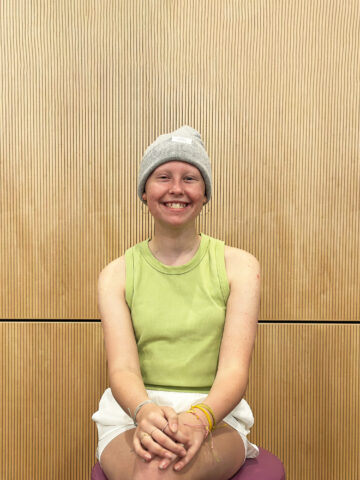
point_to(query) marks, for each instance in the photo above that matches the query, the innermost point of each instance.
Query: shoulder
(112, 277)
(239, 255)
(241, 265)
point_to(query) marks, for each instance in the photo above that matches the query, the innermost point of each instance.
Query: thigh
(118, 457)
(219, 458)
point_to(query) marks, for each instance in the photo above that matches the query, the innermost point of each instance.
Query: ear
(144, 196)
(205, 200)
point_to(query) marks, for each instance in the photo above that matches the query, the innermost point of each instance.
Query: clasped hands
(161, 432)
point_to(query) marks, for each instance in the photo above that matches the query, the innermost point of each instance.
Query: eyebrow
(186, 172)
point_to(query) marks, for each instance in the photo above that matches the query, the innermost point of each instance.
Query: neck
(173, 243)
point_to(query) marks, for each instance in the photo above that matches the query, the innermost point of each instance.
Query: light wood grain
(271, 85)
(304, 391)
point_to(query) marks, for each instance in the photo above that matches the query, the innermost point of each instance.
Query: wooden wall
(272, 85)
(304, 390)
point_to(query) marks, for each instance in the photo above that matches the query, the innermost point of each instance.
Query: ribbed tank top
(178, 315)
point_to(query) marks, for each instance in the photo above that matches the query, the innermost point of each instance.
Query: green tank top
(178, 315)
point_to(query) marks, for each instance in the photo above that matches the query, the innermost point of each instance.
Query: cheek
(151, 192)
(201, 193)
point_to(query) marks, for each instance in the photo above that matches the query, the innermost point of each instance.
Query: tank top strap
(129, 275)
(219, 246)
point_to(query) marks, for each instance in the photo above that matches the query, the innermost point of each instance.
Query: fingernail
(177, 467)
(170, 456)
(174, 427)
(163, 465)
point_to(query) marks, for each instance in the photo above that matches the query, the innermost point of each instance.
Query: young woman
(179, 314)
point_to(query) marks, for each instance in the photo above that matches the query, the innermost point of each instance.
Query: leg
(117, 459)
(119, 463)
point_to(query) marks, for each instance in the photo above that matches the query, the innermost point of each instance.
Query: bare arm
(237, 343)
(126, 382)
(120, 345)
(239, 334)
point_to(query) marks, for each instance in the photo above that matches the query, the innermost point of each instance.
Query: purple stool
(264, 467)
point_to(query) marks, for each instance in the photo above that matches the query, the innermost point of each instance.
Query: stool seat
(264, 467)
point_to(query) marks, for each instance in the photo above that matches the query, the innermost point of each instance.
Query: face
(175, 193)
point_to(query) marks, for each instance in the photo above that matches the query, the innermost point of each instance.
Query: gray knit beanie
(183, 144)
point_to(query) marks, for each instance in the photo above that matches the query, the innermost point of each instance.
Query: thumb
(172, 418)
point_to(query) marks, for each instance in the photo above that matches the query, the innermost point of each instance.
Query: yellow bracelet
(195, 415)
(206, 413)
(209, 410)
(191, 410)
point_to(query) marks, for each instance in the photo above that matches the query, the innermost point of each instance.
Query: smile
(176, 205)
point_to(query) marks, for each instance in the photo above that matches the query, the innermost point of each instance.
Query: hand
(152, 435)
(195, 431)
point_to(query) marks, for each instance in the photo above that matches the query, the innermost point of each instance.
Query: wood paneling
(304, 390)
(272, 86)
(52, 377)
(305, 393)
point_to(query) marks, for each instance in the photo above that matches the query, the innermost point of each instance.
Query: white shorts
(111, 420)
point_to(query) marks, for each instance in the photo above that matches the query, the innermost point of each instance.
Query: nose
(176, 186)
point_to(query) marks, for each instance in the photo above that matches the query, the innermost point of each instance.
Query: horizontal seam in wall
(92, 320)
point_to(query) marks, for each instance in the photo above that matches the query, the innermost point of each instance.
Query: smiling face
(175, 193)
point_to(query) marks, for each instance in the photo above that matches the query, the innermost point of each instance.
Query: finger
(149, 444)
(172, 418)
(181, 436)
(164, 464)
(165, 441)
(140, 451)
(188, 457)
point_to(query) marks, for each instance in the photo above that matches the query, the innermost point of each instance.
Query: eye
(188, 178)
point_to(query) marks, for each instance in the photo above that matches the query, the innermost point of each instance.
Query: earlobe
(144, 196)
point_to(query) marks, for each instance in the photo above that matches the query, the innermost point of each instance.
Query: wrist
(207, 411)
(141, 409)
(199, 416)
(192, 419)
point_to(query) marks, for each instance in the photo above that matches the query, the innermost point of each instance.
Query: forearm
(226, 392)
(127, 397)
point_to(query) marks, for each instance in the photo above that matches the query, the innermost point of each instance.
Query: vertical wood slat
(304, 391)
(52, 377)
(272, 86)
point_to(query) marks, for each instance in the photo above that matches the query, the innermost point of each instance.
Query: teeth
(176, 205)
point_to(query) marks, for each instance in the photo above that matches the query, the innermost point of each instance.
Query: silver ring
(167, 423)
